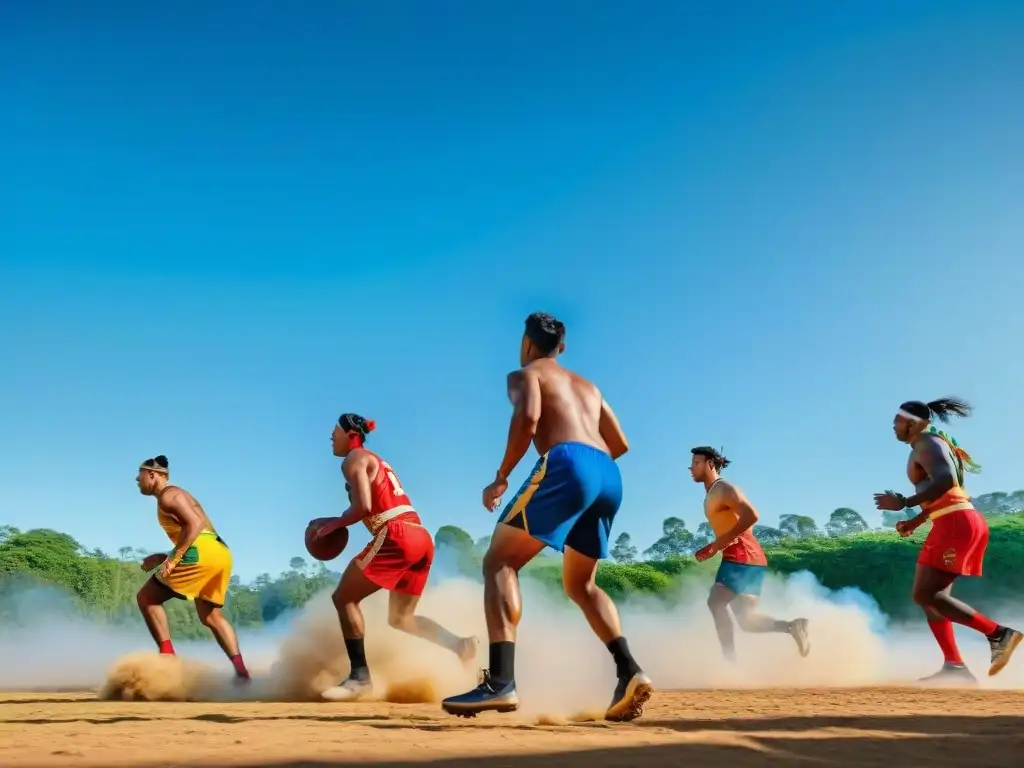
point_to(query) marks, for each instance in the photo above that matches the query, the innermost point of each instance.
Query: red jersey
(388, 500)
(743, 549)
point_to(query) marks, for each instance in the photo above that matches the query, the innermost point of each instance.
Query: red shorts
(956, 543)
(398, 558)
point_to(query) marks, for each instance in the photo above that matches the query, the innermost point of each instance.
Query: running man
(956, 544)
(197, 569)
(568, 503)
(397, 559)
(741, 575)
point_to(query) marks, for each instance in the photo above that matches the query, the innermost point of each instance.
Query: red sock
(943, 631)
(166, 647)
(981, 624)
(240, 669)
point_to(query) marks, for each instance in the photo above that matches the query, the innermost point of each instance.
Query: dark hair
(718, 461)
(941, 409)
(157, 463)
(353, 422)
(545, 332)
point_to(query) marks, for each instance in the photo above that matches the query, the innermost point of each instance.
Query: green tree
(999, 503)
(704, 536)
(845, 521)
(768, 536)
(798, 526)
(675, 540)
(623, 551)
(454, 537)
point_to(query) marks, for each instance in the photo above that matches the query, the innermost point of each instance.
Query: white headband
(911, 416)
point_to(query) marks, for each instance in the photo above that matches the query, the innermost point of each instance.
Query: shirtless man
(955, 545)
(741, 575)
(397, 558)
(197, 569)
(568, 503)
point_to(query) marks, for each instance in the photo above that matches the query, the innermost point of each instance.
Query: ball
(326, 547)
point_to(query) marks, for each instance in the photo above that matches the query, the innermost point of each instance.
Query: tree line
(103, 587)
(842, 553)
(677, 540)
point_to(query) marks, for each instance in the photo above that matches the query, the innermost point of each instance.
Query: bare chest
(915, 472)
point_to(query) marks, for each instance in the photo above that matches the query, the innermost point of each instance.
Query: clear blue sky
(764, 225)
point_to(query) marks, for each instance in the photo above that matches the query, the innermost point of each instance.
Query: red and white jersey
(388, 500)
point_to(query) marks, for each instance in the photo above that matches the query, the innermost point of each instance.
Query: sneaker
(631, 694)
(488, 696)
(466, 649)
(952, 675)
(1002, 646)
(353, 688)
(798, 631)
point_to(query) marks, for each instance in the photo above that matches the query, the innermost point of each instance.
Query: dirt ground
(834, 727)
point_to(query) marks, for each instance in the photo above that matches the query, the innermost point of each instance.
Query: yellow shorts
(203, 573)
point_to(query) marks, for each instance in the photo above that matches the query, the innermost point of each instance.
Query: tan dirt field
(826, 727)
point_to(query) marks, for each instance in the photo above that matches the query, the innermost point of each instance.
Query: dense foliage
(845, 553)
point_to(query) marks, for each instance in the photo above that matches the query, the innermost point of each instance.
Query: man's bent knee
(343, 601)
(581, 592)
(493, 562)
(150, 595)
(924, 597)
(719, 598)
(510, 548)
(496, 562)
(400, 621)
(400, 616)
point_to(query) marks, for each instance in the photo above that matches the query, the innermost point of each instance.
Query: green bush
(879, 563)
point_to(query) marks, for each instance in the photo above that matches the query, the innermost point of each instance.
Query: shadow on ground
(749, 743)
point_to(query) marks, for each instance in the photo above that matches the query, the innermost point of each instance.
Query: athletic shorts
(741, 578)
(398, 558)
(203, 572)
(570, 499)
(956, 543)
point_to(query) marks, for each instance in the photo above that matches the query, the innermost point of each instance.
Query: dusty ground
(890, 727)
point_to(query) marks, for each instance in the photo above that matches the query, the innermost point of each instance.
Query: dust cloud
(563, 672)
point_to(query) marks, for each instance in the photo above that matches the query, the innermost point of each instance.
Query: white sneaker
(350, 690)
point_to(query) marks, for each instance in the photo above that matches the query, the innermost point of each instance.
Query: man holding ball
(397, 559)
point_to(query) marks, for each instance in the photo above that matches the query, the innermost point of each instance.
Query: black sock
(503, 663)
(356, 655)
(625, 664)
(998, 634)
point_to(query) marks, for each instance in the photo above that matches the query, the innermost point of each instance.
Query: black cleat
(486, 697)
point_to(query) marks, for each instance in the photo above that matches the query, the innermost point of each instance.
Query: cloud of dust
(561, 668)
(46, 643)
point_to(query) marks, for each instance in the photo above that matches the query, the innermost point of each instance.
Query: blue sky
(764, 227)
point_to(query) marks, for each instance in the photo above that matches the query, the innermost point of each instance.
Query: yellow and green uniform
(205, 569)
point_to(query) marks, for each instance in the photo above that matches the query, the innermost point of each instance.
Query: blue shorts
(741, 578)
(570, 499)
